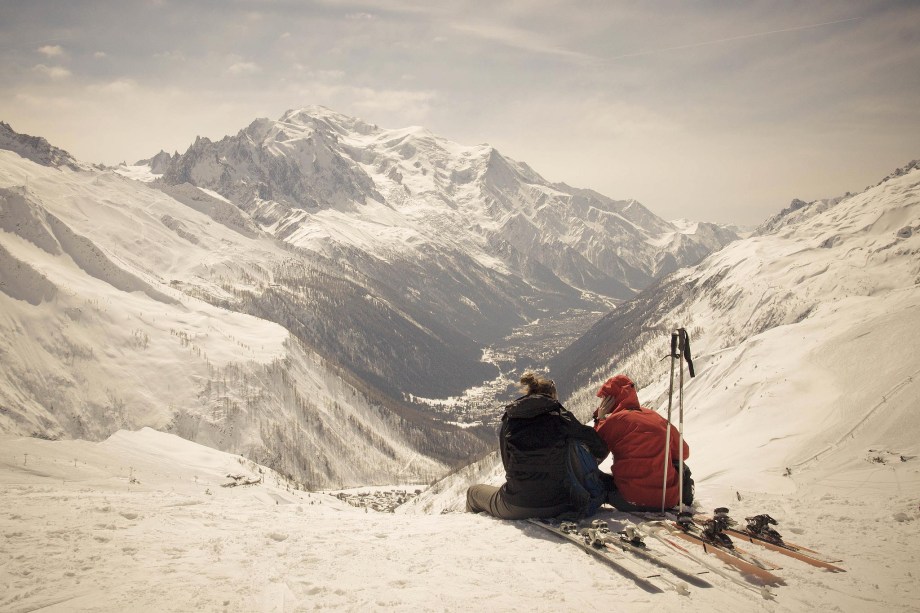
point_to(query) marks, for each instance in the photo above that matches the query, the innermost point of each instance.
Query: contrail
(733, 38)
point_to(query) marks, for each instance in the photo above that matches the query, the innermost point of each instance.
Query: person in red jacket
(636, 436)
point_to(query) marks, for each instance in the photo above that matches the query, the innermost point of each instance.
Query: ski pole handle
(685, 343)
(673, 344)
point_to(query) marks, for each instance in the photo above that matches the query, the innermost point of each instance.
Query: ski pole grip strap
(686, 351)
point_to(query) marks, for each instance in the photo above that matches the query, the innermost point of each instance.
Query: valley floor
(141, 522)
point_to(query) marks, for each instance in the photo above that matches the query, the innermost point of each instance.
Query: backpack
(586, 484)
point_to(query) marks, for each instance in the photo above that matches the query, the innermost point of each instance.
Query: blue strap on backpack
(585, 482)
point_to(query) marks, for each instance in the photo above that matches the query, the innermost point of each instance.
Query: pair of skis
(758, 531)
(627, 554)
(715, 533)
(755, 579)
(710, 536)
(685, 536)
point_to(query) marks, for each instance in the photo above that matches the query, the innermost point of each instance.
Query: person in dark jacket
(533, 440)
(636, 437)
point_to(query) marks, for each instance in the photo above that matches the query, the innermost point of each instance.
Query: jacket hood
(623, 391)
(532, 405)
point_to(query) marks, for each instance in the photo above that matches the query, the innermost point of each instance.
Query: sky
(703, 110)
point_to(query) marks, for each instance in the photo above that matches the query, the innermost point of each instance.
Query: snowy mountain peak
(37, 149)
(315, 115)
(302, 176)
(157, 163)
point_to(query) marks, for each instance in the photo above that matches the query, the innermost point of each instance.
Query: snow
(81, 536)
(140, 522)
(685, 226)
(214, 194)
(373, 223)
(138, 172)
(804, 408)
(96, 336)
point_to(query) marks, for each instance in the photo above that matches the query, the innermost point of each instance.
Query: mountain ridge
(288, 173)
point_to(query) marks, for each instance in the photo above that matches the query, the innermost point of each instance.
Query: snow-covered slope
(109, 295)
(800, 336)
(141, 522)
(811, 261)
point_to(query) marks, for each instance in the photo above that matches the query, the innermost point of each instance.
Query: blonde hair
(531, 383)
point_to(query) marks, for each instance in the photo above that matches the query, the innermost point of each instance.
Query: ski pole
(667, 435)
(682, 344)
(685, 355)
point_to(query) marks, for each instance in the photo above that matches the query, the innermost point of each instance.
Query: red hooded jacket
(635, 436)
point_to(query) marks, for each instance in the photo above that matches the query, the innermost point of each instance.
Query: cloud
(360, 16)
(37, 103)
(380, 105)
(732, 39)
(244, 68)
(610, 118)
(517, 38)
(176, 56)
(51, 50)
(100, 55)
(329, 75)
(118, 87)
(55, 73)
(410, 103)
